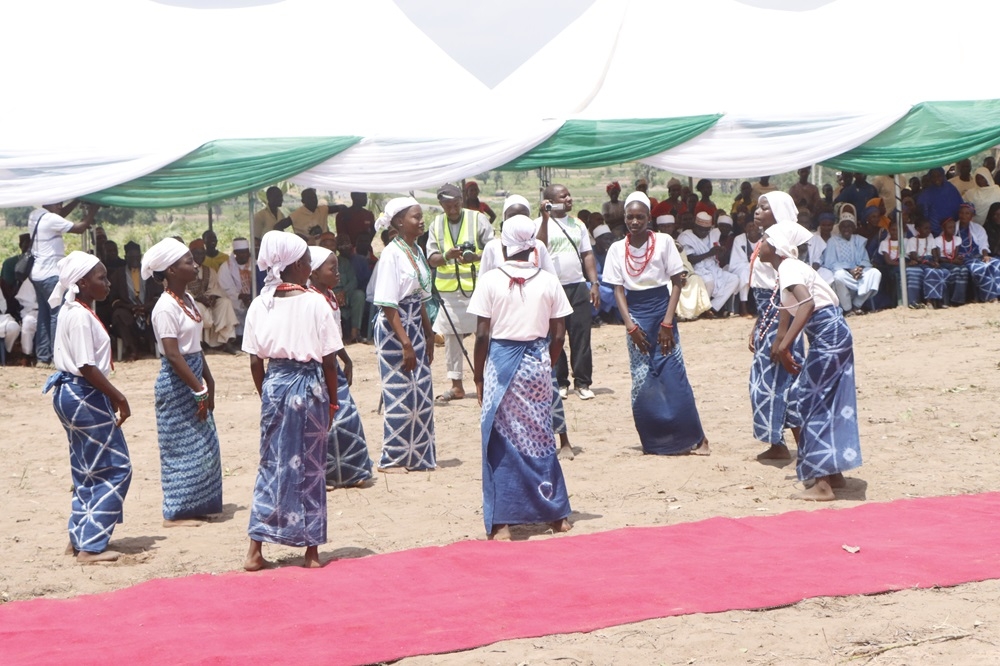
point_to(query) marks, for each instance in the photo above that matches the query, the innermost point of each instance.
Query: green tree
(17, 217)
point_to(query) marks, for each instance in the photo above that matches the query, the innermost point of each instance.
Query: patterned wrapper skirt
(347, 461)
(99, 461)
(663, 406)
(190, 462)
(823, 399)
(769, 382)
(522, 480)
(408, 431)
(289, 498)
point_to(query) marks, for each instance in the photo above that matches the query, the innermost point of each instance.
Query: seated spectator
(701, 243)
(951, 259)
(857, 192)
(218, 316)
(272, 216)
(595, 220)
(10, 329)
(827, 196)
(963, 177)
(854, 278)
(817, 245)
(805, 194)
(642, 185)
(983, 196)
(608, 312)
(694, 300)
(938, 200)
(236, 280)
(725, 225)
(111, 259)
(472, 202)
(975, 251)
(213, 258)
(613, 210)
(672, 205)
(357, 220)
(9, 284)
(762, 186)
(705, 204)
(888, 266)
(739, 262)
(350, 287)
(992, 227)
(132, 300)
(744, 199)
(310, 219)
(925, 279)
(29, 318)
(100, 238)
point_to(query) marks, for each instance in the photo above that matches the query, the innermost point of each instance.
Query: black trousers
(578, 334)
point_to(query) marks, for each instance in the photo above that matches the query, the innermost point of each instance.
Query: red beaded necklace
(289, 286)
(94, 314)
(631, 267)
(944, 247)
(195, 315)
(332, 301)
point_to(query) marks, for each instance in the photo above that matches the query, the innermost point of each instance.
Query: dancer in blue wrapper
(647, 272)
(347, 461)
(823, 398)
(405, 343)
(190, 461)
(521, 327)
(86, 402)
(290, 326)
(769, 382)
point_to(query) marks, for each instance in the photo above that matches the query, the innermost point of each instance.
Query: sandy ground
(927, 383)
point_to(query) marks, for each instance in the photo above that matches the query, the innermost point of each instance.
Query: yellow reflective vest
(454, 274)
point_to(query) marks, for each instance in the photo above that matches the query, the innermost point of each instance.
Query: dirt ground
(927, 383)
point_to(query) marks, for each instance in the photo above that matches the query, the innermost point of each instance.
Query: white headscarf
(318, 255)
(640, 197)
(514, 200)
(278, 250)
(786, 238)
(391, 209)
(72, 268)
(162, 256)
(782, 207)
(518, 234)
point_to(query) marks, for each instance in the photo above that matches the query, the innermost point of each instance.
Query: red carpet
(474, 593)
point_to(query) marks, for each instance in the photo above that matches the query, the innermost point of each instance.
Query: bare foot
(837, 480)
(819, 492)
(255, 558)
(561, 525)
(312, 558)
(70, 550)
(566, 452)
(393, 470)
(83, 557)
(776, 452)
(500, 533)
(702, 449)
(188, 522)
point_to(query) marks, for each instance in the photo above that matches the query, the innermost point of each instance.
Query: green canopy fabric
(222, 169)
(930, 135)
(584, 144)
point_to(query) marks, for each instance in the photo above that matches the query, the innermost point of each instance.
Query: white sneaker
(584, 393)
(563, 392)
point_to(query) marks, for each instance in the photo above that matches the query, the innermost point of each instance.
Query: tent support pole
(253, 246)
(901, 228)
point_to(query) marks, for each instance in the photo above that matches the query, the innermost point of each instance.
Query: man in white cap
(236, 280)
(702, 245)
(455, 242)
(854, 278)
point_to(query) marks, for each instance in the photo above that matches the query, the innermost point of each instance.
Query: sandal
(447, 397)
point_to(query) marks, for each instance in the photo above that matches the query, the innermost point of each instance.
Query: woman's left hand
(349, 372)
(666, 340)
(789, 363)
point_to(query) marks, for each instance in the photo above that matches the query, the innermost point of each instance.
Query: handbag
(22, 269)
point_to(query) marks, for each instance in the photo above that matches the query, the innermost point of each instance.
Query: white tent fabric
(399, 165)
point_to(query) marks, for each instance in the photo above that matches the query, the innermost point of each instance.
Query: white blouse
(923, 247)
(170, 321)
(792, 272)
(80, 340)
(664, 263)
(399, 276)
(301, 328)
(516, 312)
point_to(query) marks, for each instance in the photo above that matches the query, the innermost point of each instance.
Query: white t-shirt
(922, 247)
(301, 328)
(792, 272)
(516, 314)
(170, 321)
(949, 248)
(337, 317)
(569, 267)
(493, 257)
(890, 247)
(48, 247)
(397, 279)
(80, 340)
(665, 263)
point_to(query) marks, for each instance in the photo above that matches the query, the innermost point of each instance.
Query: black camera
(467, 247)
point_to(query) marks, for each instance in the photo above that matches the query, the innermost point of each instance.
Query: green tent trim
(223, 169)
(930, 135)
(584, 144)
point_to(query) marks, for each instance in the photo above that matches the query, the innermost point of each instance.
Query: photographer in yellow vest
(455, 244)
